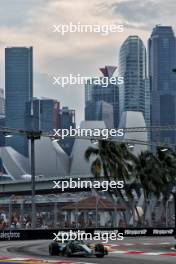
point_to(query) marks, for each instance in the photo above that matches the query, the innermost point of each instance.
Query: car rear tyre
(53, 249)
(99, 251)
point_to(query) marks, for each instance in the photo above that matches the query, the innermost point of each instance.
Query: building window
(165, 42)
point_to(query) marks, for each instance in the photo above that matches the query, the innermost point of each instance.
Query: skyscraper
(110, 94)
(18, 91)
(2, 116)
(162, 60)
(43, 114)
(132, 66)
(147, 102)
(67, 120)
(100, 110)
(2, 102)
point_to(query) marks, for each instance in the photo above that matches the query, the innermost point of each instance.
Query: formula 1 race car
(77, 248)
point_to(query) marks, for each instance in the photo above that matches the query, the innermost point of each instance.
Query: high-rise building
(43, 114)
(98, 92)
(132, 66)
(2, 116)
(67, 120)
(2, 102)
(147, 102)
(18, 91)
(100, 110)
(162, 61)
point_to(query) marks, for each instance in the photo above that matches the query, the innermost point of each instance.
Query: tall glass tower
(132, 66)
(100, 110)
(67, 120)
(43, 114)
(162, 61)
(110, 94)
(18, 91)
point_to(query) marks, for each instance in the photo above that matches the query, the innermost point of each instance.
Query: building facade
(147, 102)
(100, 110)
(162, 61)
(43, 114)
(2, 102)
(97, 92)
(18, 91)
(132, 66)
(67, 120)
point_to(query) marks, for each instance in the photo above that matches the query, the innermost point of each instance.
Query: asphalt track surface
(130, 250)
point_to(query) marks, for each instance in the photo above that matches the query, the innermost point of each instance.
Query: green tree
(112, 161)
(155, 173)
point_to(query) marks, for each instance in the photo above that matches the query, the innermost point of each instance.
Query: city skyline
(33, 26)
(144, 68)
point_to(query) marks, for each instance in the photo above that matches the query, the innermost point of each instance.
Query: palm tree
(148, 173)
(121, 162)
(102, 161)
(167, 160)
(145, 174)
(114, 160)
(122, 169)
(156, 173)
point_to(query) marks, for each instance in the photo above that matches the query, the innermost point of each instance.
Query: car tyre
(99, 251)
(53, 249)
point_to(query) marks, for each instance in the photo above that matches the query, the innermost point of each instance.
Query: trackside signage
(48, 234)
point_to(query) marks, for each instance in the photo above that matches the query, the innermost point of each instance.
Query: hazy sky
(29, 23)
